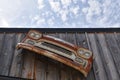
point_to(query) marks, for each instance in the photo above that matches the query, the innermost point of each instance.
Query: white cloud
(64, 17)
(75, 1)
(103, 19)
(4, 23)
(66, 3)
(1, 10)
(55, 6)
(62, 11)
(106, 3)
(102, 15)
(40, 4)
(85, 10)
(36, 17)
(116, 25)
(86, 13)
(106, 7)
(94, 13)
(83, 1)
(94, 9)
(40, 21)
(63, 14)
(50, 22)
(75, 10)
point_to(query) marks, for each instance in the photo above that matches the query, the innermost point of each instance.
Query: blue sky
(60, 13)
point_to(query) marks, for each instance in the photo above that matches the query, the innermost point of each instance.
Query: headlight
(30, 42)
(84, 53)
(35, 35)
(81, 52)
(32, 34)
(81, 61)
(87, 54)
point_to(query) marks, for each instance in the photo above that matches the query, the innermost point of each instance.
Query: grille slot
(55, 47)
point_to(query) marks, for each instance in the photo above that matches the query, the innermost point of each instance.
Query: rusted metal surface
(105, 47)
(33, 43)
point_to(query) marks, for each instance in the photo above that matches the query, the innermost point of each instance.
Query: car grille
(53, 48)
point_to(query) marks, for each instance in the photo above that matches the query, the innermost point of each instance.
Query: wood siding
(26, 64)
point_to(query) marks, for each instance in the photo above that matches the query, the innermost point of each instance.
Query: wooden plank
(107, 59)
(100, 74)
(65, 73)
(82, 40)
(117, 38)
(23, 62)
(40, 68)
(105, 48)
(71, 37)
(75, 75)
(6, 54)
(28, 64)
(2, 77)
(114, 48)
(45, 68)
(1, 42)
(91, 74)
(68, 73)
(52, 71)
(16, 67)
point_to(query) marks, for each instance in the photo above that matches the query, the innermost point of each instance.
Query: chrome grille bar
(57, 48)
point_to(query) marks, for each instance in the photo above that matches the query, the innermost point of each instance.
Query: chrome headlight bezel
(81, 61)
(35, 35)
(84, 53)
(30, 42)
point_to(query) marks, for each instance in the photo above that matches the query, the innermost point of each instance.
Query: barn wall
(26, 64)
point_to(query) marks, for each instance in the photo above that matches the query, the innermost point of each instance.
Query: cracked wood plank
(16, 67)
(100, 74)
(107, 59)
(7, 54)
(114, 48)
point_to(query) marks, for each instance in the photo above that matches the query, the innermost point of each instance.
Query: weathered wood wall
(26, 64)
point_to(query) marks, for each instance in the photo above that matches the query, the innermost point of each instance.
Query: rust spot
(34, 74)
(29, 75)
(57, 57)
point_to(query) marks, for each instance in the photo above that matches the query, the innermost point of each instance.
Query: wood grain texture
(27, 64)
(82, 40)
(52, 71)
(40, 69)
(65, 71)
(113, 46)
(2, 38)
(70, 37)
(16, 67)
(107, 58)
(99, 66)
(6, 55)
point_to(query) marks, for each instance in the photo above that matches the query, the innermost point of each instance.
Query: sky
(60, 13)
